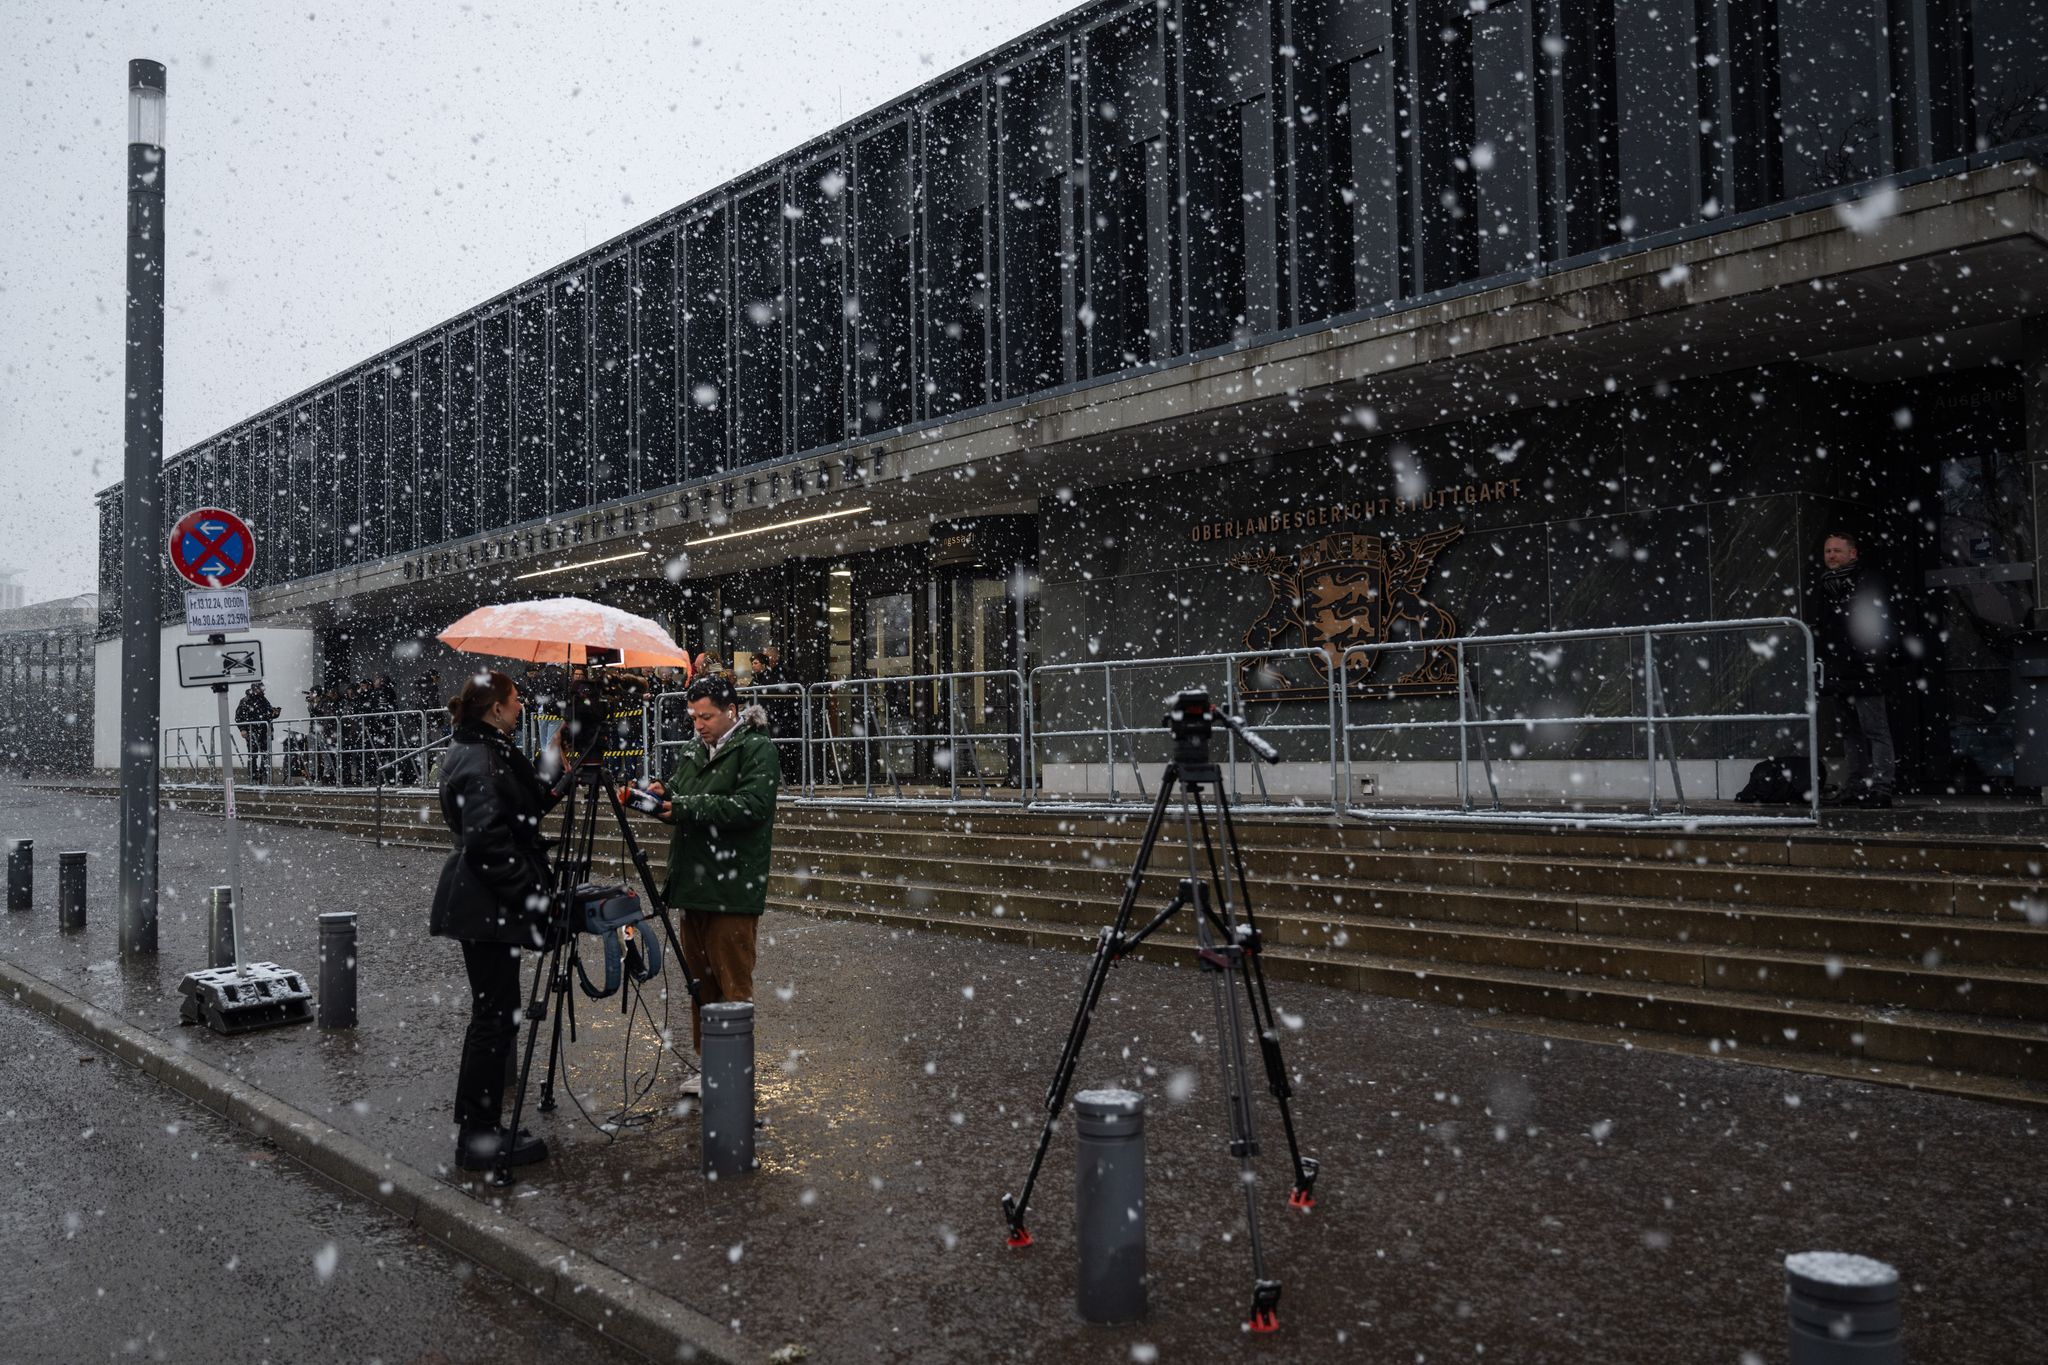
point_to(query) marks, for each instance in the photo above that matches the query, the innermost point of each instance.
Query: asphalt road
(136, 1225)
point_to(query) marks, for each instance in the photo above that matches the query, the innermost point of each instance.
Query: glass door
(981, 638)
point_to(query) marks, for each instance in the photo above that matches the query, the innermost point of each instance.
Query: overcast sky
(343, 177)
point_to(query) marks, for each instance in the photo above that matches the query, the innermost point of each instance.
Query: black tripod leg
(1225, 961)
(564, 1003)
(647, 884)
(1063, 1077)
(1302, 1196)
(1106, 948)
(536, 1010)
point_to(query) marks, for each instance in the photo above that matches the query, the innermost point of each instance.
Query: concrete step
(1990, 1089)
(1948, 855)
(1898, 957)
(1981, 1048)
(1993, 924)
(1561, 947)
(1267, 858)
(2012, 939)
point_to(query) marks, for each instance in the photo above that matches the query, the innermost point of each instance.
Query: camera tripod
(583, 786)
(1226, 949)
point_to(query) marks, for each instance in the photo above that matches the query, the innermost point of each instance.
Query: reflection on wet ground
(1542, 1200)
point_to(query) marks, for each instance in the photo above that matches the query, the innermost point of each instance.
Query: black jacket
(1852, 630)
(495, 886)
(254, 709)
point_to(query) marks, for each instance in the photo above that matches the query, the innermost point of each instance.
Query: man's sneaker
(479, 1151)
(693, 1084)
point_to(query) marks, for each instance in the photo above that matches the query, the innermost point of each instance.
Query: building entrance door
(980, 649)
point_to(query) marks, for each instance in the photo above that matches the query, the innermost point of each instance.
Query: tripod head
(1192, 717)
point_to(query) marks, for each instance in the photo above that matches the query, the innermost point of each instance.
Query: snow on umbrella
(564, 630)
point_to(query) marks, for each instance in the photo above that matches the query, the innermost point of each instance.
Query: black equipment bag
(1777, 782)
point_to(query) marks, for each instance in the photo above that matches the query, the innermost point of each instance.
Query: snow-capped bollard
(70, 890)
(220, 927)
(1109, 1204)
(1842, 1309)
(338, 969)
(728, 1098)
(21, 874)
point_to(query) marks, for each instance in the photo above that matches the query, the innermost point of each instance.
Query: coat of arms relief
(1343, 592)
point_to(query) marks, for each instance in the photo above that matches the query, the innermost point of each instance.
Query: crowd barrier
(1540, 718)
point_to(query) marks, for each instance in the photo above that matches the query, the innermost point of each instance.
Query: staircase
(1909, 959)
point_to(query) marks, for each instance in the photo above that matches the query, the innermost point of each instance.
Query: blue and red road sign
(211, 548)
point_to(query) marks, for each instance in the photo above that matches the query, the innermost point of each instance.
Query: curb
(622, 1309)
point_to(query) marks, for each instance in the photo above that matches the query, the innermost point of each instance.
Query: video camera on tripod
(1191, 718)
(622, 922)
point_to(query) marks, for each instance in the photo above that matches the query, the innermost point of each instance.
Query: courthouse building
(1162, 328)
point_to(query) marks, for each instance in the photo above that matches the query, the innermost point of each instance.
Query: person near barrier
(494, 898)
(720, 798)
(1853, 636)
(784, 708)
(253, 715)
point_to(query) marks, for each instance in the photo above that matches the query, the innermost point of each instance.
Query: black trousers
(495, 1000)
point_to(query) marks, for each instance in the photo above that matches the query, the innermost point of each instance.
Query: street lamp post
(142, 508)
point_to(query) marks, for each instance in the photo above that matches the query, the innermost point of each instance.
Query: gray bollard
(21, 874)
(338, 969)
(728, 1097)
(220, 927)
(1109, 1204)
(70, 890)
(1842, 1309)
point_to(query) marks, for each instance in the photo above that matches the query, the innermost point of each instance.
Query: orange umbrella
(564, 630)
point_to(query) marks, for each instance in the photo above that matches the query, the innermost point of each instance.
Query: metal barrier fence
(1591, 679)
(1131, 712)
(321, 751)
(857, 726)
(665, 728)
(1582, 701)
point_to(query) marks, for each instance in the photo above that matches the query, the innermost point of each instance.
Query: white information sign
(208, 665)
(215, 611)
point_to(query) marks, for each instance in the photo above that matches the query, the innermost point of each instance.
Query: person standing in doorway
(1853, 635)
(720, 797)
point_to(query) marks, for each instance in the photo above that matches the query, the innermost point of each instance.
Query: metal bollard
(70, 890)
(338, 969)
(1842, 1309)
(220, 927)
(21, 874)
(1109, 1204)
(728, 1098)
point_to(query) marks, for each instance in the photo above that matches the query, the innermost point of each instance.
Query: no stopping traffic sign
(211, 548)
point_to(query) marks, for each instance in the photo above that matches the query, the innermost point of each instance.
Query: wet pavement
(1486, 1194)
(136, 1224)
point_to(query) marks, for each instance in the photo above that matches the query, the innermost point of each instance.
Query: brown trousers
(719, 951)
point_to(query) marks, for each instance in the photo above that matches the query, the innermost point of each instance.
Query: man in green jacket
(720, 798)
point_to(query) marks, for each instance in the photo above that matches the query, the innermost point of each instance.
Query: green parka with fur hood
(723, 810)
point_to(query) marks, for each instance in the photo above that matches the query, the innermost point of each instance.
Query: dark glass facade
(1132, 184)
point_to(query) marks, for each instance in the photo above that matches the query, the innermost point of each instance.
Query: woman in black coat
(493, 897)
